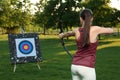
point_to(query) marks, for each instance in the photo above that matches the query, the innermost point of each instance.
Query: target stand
(24, 48)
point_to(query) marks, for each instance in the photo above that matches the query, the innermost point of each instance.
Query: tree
(5, 14)
(104, 15)
(13, 15)
(56, 10)
(40, 16)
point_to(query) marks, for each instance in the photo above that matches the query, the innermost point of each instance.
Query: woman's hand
(61, 35)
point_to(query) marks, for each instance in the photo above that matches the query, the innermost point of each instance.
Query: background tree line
(54, 14)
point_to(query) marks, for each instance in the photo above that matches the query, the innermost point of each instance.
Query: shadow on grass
(104, 42)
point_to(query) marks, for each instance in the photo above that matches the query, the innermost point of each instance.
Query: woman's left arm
(67, 34)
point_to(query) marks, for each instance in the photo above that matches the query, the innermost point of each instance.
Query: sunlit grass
(3, 36)
(109, 43)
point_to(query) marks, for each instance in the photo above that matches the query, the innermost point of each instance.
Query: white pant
(82, 73)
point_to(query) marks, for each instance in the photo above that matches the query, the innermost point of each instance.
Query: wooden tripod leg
(14, 68)
(38, 66)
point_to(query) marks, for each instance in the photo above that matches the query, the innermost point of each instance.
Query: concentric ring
(25, 47)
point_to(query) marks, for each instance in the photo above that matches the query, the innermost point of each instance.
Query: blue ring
(23, 51)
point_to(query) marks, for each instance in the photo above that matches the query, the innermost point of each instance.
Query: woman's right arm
(102, 30)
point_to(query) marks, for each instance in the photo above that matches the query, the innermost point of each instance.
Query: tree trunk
(118, 32)
(44, 30)
(99, 37)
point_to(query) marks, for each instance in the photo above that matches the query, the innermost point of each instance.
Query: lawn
(56, 63)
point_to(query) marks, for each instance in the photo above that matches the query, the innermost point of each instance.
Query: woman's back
(86, 55)
(94, 32)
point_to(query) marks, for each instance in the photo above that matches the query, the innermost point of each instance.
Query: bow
(62, 40)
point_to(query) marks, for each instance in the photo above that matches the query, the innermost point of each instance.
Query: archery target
(25, 47)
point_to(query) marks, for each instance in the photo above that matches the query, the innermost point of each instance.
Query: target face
(25, 47)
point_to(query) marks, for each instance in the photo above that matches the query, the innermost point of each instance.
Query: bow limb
(65, 48)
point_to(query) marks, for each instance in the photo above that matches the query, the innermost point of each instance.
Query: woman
(83, 64)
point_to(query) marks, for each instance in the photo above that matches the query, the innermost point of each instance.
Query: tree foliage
(68, 12)
(55, 10)
(12, 14)
(104, 15)
(50, 13)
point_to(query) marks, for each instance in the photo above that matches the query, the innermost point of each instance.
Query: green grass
(56, 63)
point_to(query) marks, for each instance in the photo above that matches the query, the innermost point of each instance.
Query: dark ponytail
(86, 15)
